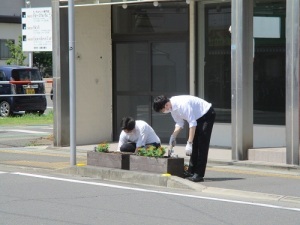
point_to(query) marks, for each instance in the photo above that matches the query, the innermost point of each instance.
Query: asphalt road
(22, 136)
(29, 198)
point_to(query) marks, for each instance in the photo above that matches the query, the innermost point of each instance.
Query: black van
(19, 101)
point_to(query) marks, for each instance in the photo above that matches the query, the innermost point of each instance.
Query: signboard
(37, 29)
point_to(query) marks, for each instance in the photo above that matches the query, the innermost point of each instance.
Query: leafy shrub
(151, 151)
(102, 147)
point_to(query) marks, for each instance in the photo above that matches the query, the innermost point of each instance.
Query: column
(292, 81)
(241, 78)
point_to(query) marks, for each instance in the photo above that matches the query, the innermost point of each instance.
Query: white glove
(172, 141)
(173, 155)
(188, 149)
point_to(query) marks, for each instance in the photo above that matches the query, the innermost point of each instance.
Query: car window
(26, 75)
(2, 76)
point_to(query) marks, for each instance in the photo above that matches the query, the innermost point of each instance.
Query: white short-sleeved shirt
(142, 134)
(189, 108)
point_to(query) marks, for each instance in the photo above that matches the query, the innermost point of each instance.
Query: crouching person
(136, 134)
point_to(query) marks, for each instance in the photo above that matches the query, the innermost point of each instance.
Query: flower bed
(173, 166)
(102, 157)
(148, 159)
(116, 160)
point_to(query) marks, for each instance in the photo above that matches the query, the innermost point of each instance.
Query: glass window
(2, 76)
(4, 50)
(137, 107)
(26, 74)
(217, 69)
(132, 67)
(169, 66)
(151, 62)
(145, 18)
(269, 62)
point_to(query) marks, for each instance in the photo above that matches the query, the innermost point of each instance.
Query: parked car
(15, 103)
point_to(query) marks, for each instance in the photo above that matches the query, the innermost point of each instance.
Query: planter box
(116, 160)
(173, 166)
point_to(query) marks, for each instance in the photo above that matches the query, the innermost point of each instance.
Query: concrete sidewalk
(265, 181)
(220, 156)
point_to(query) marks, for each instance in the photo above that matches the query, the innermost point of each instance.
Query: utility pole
(30, 54)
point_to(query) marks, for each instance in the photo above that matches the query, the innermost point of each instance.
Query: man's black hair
(128, 123)
(160, 102)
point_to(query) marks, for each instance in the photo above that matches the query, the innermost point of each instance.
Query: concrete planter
(116, 160)
(173, 166)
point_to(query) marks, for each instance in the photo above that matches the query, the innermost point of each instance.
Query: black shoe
(187, 174)
(196, 178)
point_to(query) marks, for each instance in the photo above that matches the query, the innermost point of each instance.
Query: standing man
(136, 134)
(200, 116)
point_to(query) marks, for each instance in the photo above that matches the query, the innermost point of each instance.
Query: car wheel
(41, 112)
(5, 109)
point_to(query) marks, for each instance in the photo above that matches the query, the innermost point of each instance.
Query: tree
(43, 61)
(17, 55)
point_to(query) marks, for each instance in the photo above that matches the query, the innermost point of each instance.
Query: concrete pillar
(192, 66)
(61, 130)
(241, 78)
(292, 81)
(56, 72)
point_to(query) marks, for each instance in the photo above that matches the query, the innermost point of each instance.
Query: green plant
(17, 55)
(151, 151)
(102, 147)
(27, 119)
(43, 61)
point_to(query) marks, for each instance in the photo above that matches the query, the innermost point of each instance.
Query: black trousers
(198, 159)
(131, 146)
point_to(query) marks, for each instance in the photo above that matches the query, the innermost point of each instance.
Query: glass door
(150, 52)
(170, 77)
(143, 71)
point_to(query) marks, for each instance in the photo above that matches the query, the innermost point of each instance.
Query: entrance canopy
(64, 3)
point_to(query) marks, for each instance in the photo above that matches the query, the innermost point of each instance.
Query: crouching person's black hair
(127, 123)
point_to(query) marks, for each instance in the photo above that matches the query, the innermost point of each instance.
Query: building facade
(242, 56)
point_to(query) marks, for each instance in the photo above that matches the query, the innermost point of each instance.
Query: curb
(132, 177)
(257, 164)
(252, 195)
(151, 179)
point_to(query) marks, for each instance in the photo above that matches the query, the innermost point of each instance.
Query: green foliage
(43, 61)
(17, 55)
(27, 119)
(151, 151)
(102, 147)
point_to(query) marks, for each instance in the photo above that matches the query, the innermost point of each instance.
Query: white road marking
(159, 192)
(2, 172)
(30, 131)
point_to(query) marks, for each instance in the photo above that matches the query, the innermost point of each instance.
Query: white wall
(13, 7)
(93, 74)
(264, 136)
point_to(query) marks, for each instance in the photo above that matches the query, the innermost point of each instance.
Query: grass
(27, 119)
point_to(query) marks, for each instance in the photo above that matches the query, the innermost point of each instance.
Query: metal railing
(24, 82)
